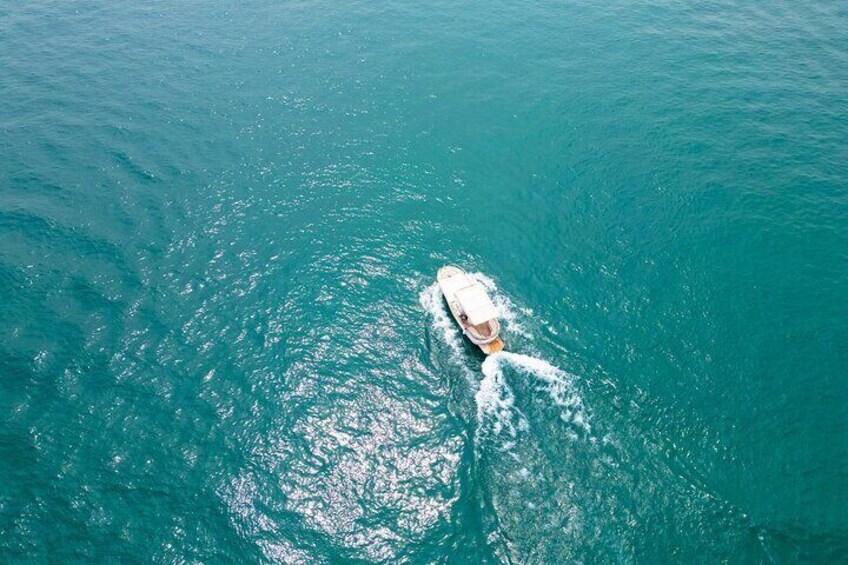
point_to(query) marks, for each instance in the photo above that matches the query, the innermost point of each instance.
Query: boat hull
(488, 346)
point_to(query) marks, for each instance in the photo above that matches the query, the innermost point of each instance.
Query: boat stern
(493, 346)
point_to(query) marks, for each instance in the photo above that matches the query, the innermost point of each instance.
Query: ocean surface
(220, 338)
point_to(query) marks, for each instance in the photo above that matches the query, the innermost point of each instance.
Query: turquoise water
(219, 227)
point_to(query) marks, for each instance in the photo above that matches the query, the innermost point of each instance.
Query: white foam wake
(432, 301)
(497, 399)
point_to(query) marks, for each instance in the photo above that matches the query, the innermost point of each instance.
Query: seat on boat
(484, 332)
(483, 329)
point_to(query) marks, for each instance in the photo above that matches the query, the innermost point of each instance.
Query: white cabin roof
(451, 284)
(475, 303)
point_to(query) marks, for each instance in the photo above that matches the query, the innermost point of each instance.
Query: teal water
(219, 227)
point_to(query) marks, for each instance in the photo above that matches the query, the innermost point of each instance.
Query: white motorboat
(471, 308)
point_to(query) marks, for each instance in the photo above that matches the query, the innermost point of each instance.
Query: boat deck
(483, 330)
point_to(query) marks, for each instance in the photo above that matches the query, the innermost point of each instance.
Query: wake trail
(443, 325)
(432, 301)
(497, 412)
(495, 398)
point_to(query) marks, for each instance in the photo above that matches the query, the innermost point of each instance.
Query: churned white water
(560, 385)
(495, 399)
(432, 301)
